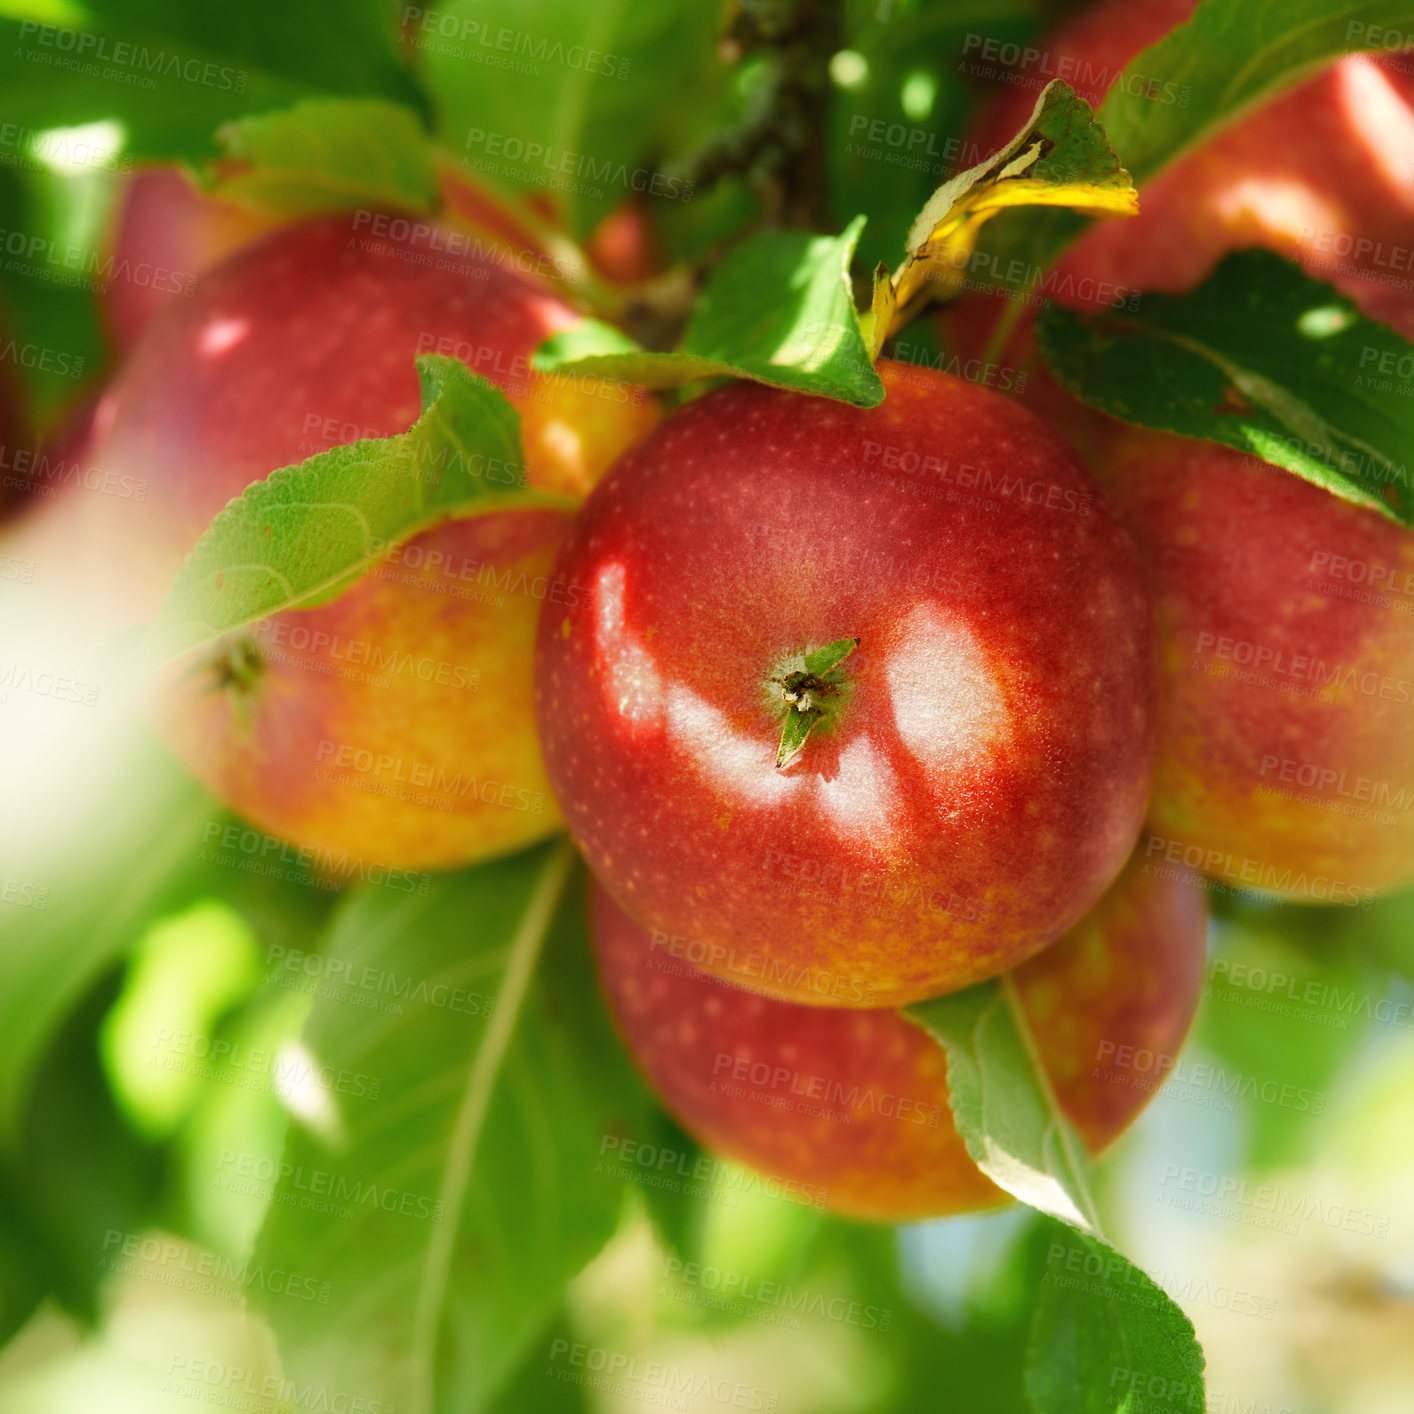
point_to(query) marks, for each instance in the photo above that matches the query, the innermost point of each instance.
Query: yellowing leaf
(1060, 158)
(878, 321)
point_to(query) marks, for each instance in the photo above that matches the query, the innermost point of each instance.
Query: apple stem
(805, 692)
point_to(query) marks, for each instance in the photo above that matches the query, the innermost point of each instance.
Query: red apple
(1320, 173)
(1287, 624)
(855, 1103)
(393, 724)
(978, 765)
(166, 234)
(1287, 747)
(306, 340)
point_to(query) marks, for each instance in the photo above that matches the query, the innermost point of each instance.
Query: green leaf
(184, 974)
(1259, 357)
(576, 102)
(1378, 936)
(307, 531)
(79, 915)
(356, 53)
(675, 1210)
(778, 310)
(1229, 57)
(1280, 1048)
(235, 1125)
(1060, 158)
(886, 153)
(487, 1131)
(72, 913)
(171, 74)
(329, 154)
(1003, 1104)
(80, 1174)
(1085, 1331)
(51, 340)
(1105, 1339)
(974, 1352)
(1385, 935)
(529, 1389)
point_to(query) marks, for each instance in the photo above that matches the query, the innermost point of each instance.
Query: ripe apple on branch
(604, 549)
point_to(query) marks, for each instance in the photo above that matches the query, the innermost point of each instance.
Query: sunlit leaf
(779, 310)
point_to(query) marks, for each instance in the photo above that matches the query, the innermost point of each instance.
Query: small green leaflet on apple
(778, 310)
(806, 693)
(500, 1087)
(1230, 56)
(1259, 357)
(1016, 1132)
(306, 532)
(327, 154)
(1060, 158)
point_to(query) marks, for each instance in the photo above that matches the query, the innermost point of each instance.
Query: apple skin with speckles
(984, 770)
(394, 724)
(1287, 631)
(1286, 756)
(855, 1103)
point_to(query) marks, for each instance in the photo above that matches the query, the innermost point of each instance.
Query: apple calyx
(809, 694)
(237, 666)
